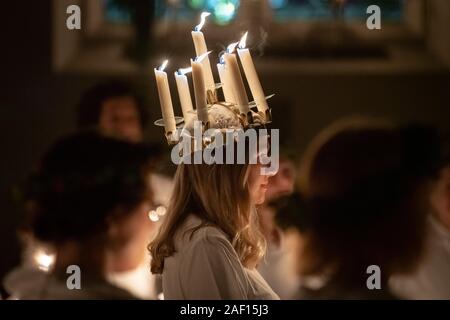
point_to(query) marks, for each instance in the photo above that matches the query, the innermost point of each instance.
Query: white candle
(236, 79)
(252, 76)
(184, 93)
(226, 85)
(199, 90)
(200, 49)
(165, 99)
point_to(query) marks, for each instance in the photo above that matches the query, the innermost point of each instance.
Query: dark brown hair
(364, 184)
(80, 181)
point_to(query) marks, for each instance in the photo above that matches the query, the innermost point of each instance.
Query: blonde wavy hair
(218, 194)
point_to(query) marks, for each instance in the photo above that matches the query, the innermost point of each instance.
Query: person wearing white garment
(432, 278)
(209, 244)
(276, 267)
(118, 110)
(87, 201)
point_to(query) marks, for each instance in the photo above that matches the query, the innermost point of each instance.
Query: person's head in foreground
(210, 239)
(87, 200)
(365, 187)
(116, 109)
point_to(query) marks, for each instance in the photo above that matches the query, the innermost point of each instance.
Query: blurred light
(196, 4)
(163, 66)
(278, 4)
(43, 260)
(243, 41)
(202, 21)
(161, 296)
(231, 47)
(161, 210)
(224, 11)
(203, 56)
(183, 71)
(153, 216)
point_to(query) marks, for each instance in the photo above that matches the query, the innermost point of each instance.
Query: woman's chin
(260, 200)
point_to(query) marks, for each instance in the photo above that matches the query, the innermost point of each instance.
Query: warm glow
(231, 47)
(153, 216)
(202, 21)
(183, 71)
(161, 210)
(243, 41)
(203, 56)
(43, 260)
(163, 66)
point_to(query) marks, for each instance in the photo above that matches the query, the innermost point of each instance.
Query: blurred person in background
(432, 278)
(364, 184)
(118, 110)
(86, 203)
(275, 267)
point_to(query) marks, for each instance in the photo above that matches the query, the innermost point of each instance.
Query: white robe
(277, 269)
(432, 278)
(206, 266)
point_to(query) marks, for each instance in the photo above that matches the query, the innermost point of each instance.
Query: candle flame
(202, 21)
(183, 71)
(163, 66)
(243, 41)
(231, 47)
(203, 56)
(222, 58)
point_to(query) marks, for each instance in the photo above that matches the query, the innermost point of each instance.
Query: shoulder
(196, 233)
(212, 240)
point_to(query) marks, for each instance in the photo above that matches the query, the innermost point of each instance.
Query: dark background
(37, 104)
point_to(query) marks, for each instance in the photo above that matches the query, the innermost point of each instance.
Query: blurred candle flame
(203, 56)
(163, 66)
(222, 58)
(231, 47)
(243, 41)
(183, 71)
(202, 21)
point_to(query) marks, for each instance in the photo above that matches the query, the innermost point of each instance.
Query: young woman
(210, 243)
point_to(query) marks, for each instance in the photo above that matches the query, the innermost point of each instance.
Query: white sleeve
(212, 270)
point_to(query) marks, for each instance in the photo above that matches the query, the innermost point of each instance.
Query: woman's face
(257, 184)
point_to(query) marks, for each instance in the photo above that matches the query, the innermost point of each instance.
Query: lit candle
(252, 76)
(164, 99)
(183, 92)
(199, 88)
(225, 80)
(236, 79)
(200, 49)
